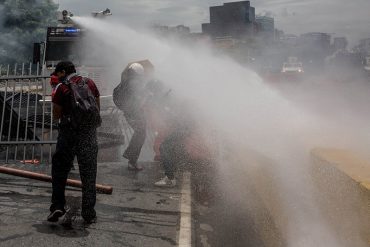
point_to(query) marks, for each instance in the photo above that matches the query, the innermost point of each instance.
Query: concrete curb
(343, 179)
(347, 162)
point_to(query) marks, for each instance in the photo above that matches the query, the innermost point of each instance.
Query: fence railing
(27, 128)
(21, 69)
(28, 131)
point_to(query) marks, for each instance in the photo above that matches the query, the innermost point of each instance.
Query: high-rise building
(179, 30)
(364, 47)
(266, 27)
(265, 23)
(317, 40)
(313, 49)
(340, 43)
(234, 19)
(288, 39)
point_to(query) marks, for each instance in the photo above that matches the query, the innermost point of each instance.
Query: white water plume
(249, 114)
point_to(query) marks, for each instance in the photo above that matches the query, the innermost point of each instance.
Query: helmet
(135, 69)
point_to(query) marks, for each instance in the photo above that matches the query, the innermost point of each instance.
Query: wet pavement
(136, 214)
(231, 213)
(238, 208)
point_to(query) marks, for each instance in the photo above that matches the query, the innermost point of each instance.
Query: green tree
(23, 23)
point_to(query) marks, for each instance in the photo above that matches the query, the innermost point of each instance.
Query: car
(292, 68)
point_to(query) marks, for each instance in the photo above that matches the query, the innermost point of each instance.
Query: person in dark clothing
(131, 101)
(137, 122)
(71, 142)
(172, 152)
(181, 139)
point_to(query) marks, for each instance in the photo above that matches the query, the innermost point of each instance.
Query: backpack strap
(57, 86)
(83, 79)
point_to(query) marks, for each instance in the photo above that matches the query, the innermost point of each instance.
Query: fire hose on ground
(45, 178)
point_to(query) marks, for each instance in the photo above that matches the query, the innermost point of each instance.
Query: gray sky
(342, 17)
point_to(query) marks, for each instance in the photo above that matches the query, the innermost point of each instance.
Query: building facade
(364, 47)
(340, 44)
(265, 23)
(179, 30)
(234, 19)
(266, 28)
(318, 40)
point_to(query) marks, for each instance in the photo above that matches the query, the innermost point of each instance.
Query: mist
(248, 115)
(21, 24)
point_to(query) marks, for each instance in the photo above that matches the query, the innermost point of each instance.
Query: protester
(76, 105)
(146, 102)
(179, 139)
(130, 97)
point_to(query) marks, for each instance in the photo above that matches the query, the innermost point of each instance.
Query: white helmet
(135, 69)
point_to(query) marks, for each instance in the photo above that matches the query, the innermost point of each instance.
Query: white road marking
(185, 233)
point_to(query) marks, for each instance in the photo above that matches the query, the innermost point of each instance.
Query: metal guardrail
(27, 128)
(28, 132)
(20, 70)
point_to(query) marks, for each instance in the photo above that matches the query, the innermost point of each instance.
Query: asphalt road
(136, 214)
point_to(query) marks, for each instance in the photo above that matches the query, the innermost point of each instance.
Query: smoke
(1, 12)
(246, 114)
(21, 24)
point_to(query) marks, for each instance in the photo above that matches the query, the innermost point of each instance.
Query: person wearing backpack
(130, 97)
(76, 105)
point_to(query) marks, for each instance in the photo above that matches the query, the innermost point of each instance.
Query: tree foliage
(23, 22)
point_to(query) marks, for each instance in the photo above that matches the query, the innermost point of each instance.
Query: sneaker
(166, 182)
(55, 215)
(134, 167)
